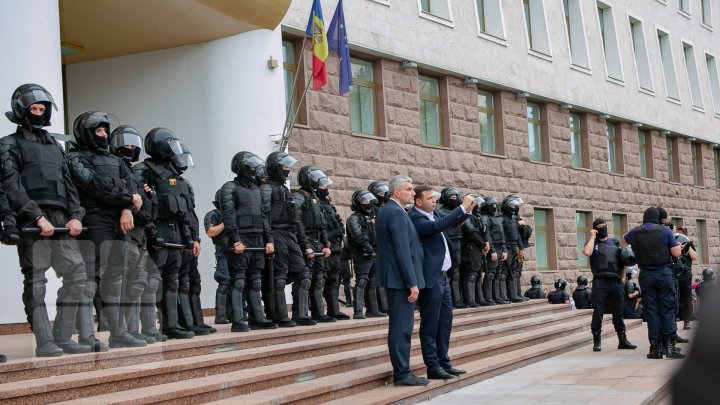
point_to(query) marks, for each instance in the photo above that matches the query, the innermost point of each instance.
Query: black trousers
(608, 295)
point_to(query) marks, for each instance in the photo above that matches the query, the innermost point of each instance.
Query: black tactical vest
(248, 210)
(581, 298)
(311, 214)
(454, 233)
(332, 224)
(605, 262)
(510, 228)
(535, 293)
(172, 192)
(649, 248)
(494, 227)
(107, 168)
(557, 297)
(42, 173)
(367, 224)
(282, 207)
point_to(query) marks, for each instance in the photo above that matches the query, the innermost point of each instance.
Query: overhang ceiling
(107, 28)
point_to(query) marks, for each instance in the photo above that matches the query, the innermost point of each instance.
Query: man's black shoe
(679, 339)
(454, 371)
(413, 380)
(439, 374)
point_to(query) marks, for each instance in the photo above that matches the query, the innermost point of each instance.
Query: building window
(486, 114)
(535, 136)
(576, 33)
(692, 74)
(576, 141)
(712, 70)
(677, 222)
(437, 8)
(544, 239)
(702, 242)
(289, 69)
(673, 166)
(642, 63)
(362, 97)
(613, 64)
(535, 26)
(668, 67)
(582, 219)
(620, 227)
(697, 164)
(684, 6)
(490, 18)
(614, 147)
(430, 125)
(646, 154)
(706, 10)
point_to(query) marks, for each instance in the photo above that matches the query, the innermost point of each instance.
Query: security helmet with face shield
(490, 205)
(708, 274)
(184, 160)
(362, 201)
(450, 197)
(216, 201)
(162, 143)
(560, 284)
(245, 165)
(21, 100)
(311, 178)
(86, 124)
(535, 281)
(511, 204)
(582, 280)
(379, 189)
(261, 175)
(126, 142)
(276, 163)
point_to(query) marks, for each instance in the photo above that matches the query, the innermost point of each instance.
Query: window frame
(673, 157)
(491, 113)
(706, 14)
(588, 217)
(667, 63)
(536, 29)
(697, 165)
(497, 21)
(640, 55)
(579, 135)
(443, 110)
(623, 228)
(713, 75)
(647, 148)
(693, 76)
(549, 230)
(577, 48)
(542, 128)
(449, 22)
(716, 154)
(702, 245)
(373, 86)
(611, 48)
(301, 117)
(617, 139)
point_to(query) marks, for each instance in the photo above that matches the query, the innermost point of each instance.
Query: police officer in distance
(559, 296)
(608, 288)
(215, 229)
(246, 226)
(536, 291)
(475, 247)
(9, 234)
(172, 224)
(40, 192)
(379, 189)
(632, 295)
(494, 289)
(450, 198)
(510, 208)
(582, 294)
(688, 254)
(333, 264)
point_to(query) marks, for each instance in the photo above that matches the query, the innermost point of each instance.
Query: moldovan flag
(337, 38)
(316, 30)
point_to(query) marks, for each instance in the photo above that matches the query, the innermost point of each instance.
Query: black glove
(156, 242)
(368, 252)
(10, 235)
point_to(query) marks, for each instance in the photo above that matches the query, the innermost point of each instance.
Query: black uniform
(535, 293)
(630, 304)
(334, 264)
(454, 239)
(510, 272)
(582, 297)
(558, 297)
(474, 240)
(493, 289)
(222, 274)
(608, 288)
(360, 230)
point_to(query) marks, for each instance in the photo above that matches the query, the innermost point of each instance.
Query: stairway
(343, 361)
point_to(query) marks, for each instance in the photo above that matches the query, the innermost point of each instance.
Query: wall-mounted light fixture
(714, 145)
(603, 116)
(637, 124)
(664, 132)
(692, 139)
(470, 80)
(522, 94)
(272, 63)
(408, 64)
(566, 106)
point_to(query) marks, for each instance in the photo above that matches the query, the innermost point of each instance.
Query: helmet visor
(382, 189)
(97, 119)
(288, 161)
(478, 200)
(127, 139)
(184, 160)
(366, 197)
(35, 96)
(436, 195)
(252, 161)
(175, 146)
(319, 177)
(515, 202)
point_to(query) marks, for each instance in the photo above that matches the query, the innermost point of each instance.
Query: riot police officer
(9, 234)
(361, 240)
(450, 198)
(559, 296)
(510, 208)
(40, 193)
(683, 275)
(494, 289)
(379, 189)
(126, 143)
(536, 291)
(475, 247)
(247, 227)
(279, 206)
(172, 225)
(334, 265)
(608, 288)
(582, 294)
(632, 295)
(215, 229)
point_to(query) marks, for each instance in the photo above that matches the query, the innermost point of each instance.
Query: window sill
(369, 136)
(717, 115)
(541, 162)
(674, 100)
(540, 54)
(492, 38)
(674, 183)
(492, 155)
(707, 27)
(582, 169)
(301, 126)
(649, 92)
(443, 147)
(685, 14)
(648, 179)
(436, 19)
(698, 109)
(618, 174)
(582, 69)
(383, 2)
(619, 82)
(699, 187)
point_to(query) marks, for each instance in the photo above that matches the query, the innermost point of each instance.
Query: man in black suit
(435, 299)
(398, 268)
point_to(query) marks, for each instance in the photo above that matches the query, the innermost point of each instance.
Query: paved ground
(580, 376)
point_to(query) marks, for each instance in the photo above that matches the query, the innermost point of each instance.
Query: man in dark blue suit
(398, 268)
(435, 299)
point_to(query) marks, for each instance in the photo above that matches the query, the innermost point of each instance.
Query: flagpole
(292, 123)
(294, 85)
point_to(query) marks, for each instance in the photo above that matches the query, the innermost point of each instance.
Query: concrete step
(115, 379)
(369, 363)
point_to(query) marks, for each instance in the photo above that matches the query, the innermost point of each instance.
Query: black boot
(359, 302)
(670, 351)
(680, 339)
(468, 287)
(281, 315)
(686, 324)
(456, 294)
(655, 350)
(196, 308)
(86, 332)
(596, 341)
(512, 293)
(237, 300)
(257, 318)
(333, 304)
(487, 287)
(301, 316)
(171, 326)
(348, 296)
(623, 343)
(318, 305)
(187, 315)
(501, 297)
(119, 335)
(221, 317)
(372, 305)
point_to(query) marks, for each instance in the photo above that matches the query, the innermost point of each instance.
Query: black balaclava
(601, 232)
(651, 216)
(662, 215)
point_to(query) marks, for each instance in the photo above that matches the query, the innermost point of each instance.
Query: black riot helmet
(447, 193)
(126, 142)
(535, 281)
(311, 178)
(261, 175)
(276, 163)
(708, 274)
(184, 160)
(162, 143)
(362, 201)
(85, 125)
(582, 280)
(560, 284)
(511, 204)
(379, 189)
(216, 202)
(25, 96)
(627, 257)
(490, 206)
(245, 165)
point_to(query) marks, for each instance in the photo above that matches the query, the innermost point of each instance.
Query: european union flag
(338, 42)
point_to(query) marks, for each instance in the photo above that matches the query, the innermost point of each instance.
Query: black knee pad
(89, 290)
(279, 285)
(256, 284)
(184, 288)
(152, 285)
(195, 287)
(305, 284)
(239, 284)
(223, 289)
(472, 277)
(362, 283)
(173, 286)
